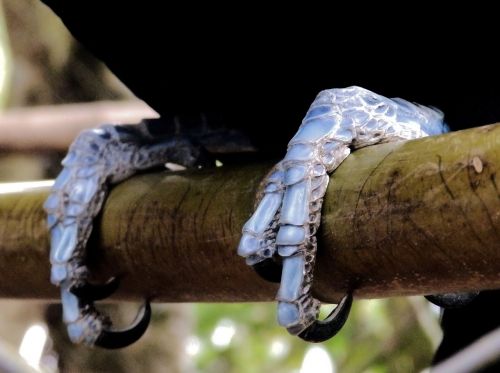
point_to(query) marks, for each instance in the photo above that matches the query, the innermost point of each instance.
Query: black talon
(322, 330)
(452, 300)
(269, 270)
(113, 339)
(90, 291)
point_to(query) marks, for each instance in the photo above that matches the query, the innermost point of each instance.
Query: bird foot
(288, 215)
(97, 159)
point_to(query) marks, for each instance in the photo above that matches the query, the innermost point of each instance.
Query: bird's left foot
(282, 231)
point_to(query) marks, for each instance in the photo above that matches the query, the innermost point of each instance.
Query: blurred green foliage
(380, 336)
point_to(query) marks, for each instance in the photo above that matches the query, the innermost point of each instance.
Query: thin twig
(477, 355)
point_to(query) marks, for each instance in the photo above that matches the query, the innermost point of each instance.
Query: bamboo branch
(406, 218)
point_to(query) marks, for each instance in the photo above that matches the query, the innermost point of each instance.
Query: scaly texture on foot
(288, 215)
(97, 159)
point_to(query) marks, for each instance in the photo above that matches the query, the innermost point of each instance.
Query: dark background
(259, 69)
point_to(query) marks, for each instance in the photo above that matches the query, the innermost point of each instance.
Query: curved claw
(113, 339)
(322, 330)
(452, 300)
(269, 269)
(89, 291)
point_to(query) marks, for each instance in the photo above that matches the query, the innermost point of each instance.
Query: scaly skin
(97, 159)
(287, 218)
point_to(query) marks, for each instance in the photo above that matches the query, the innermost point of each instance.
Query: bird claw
(452, 300)
(95, 292)
(113, 339)
(288, 215)
(269, 269)
(323, 330)
(97, 159)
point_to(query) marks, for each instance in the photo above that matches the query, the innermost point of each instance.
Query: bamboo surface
(406, 218)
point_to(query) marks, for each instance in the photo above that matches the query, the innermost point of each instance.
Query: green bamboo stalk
(406, 218)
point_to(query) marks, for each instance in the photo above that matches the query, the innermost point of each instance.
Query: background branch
(56, 126)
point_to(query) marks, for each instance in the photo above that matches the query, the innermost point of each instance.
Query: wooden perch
(405, 218)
